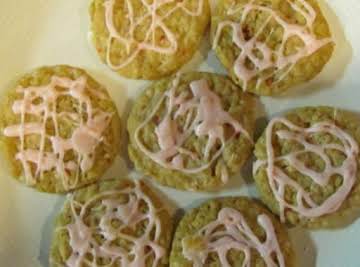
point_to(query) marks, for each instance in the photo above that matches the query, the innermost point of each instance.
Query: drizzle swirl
(279, 180)
(205, 117)
(41, 102)
(275, 60)
(86, 250)
(168, 44)
(230, 231)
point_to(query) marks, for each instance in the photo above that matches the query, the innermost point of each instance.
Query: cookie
(59, 129)
(307, 166)
(112, 223)
(233, 231)
(192, 131)
(269, 46)
(142, 39)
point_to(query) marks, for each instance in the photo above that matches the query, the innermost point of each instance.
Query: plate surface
(42, 32)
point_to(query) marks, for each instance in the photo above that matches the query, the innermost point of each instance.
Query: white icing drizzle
(271, 59)
(84, 140)
(205, 117)
(128, 215)
(168, 45)
(230, 231)
(278, 180)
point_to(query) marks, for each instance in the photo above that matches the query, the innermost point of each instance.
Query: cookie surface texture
(307, 167)
(269, 46)
(231, 232)
(60, 130)
(143, 39)
(192, 131)
(113, 223)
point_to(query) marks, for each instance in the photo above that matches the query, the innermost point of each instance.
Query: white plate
(43, 32)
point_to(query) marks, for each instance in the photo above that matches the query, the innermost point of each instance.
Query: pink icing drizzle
(205, 117)
(269, 59)
(279, 180)
(167, 46)
(83, 141)
(230, 231)
(83, 243)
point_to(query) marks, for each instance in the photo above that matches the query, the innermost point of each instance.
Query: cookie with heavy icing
(112, 223)
(268, 46)
(231, 232)
(143, 39)
(192, 131)
(59, 129)
(307, 167)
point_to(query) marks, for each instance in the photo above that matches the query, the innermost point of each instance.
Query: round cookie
(269, 46)
(112, 223)
(60, 130)
(192, 131)
(307, 168)
(142, 39)
(234, 231)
